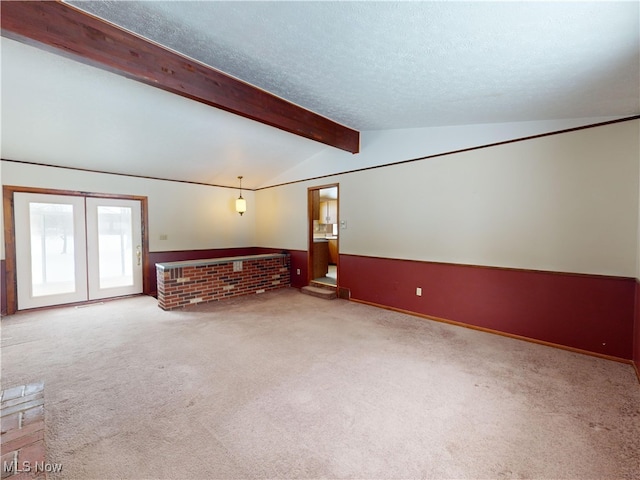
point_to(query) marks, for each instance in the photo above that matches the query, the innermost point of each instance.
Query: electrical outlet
(298, 271)
(164, 236)
(418, 291)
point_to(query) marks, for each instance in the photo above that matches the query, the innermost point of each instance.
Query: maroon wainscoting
(587, 312)
(3, 288)
(298, 260)
(636, 331)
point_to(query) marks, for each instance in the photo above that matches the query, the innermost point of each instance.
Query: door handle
(138, 253)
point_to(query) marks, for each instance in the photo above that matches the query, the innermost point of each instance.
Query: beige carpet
(284, 385)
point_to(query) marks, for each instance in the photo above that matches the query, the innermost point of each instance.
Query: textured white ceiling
(368, 65)
(387, 65)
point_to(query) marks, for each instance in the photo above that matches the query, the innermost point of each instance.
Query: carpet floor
(285, 385)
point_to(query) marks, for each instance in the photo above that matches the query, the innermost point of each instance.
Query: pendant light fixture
(241, 203)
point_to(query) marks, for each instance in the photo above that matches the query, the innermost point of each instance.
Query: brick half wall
(184, 285)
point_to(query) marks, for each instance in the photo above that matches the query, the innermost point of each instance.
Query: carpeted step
(326, 293)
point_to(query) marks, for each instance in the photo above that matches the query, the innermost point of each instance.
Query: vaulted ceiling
(364, 65)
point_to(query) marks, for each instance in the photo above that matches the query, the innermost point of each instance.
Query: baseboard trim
(637, 369)
(503, 334)
(85, 303)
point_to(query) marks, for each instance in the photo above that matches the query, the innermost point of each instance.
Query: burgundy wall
(580, 311)
(589, 312)
(3, 288)
(636, 330)
(298, 260)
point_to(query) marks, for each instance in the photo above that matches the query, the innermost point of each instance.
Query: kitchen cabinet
(333, 251)
(320, 258)
(329, 211)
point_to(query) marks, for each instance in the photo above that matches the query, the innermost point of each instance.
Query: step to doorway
(320, 292)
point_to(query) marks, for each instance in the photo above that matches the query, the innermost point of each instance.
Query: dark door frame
(313, 206)
(10, 235)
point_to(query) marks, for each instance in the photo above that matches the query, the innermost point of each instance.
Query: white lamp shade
(241, 205)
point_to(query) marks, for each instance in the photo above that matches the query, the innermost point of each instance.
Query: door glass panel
(52, 249)
(115, 246)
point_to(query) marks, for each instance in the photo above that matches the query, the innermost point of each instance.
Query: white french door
(73, 248)
(114, 247)
(50, 249)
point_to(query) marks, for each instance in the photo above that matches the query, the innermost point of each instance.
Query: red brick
(33, 453)
(23, 441)
(208, 282)
(6, 460)
(16, 434)
(9, 422)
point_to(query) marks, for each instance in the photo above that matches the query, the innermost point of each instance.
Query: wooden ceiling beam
(66, 30)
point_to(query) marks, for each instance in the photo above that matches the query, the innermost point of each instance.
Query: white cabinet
(329, 212)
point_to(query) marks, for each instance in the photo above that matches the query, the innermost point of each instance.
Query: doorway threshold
(324, 282)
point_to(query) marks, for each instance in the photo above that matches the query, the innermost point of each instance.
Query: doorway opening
(66, 247)
(324, 242)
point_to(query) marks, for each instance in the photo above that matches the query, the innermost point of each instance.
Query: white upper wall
(193, 217)
(565, 202)
(281, 216)
(383, 147)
